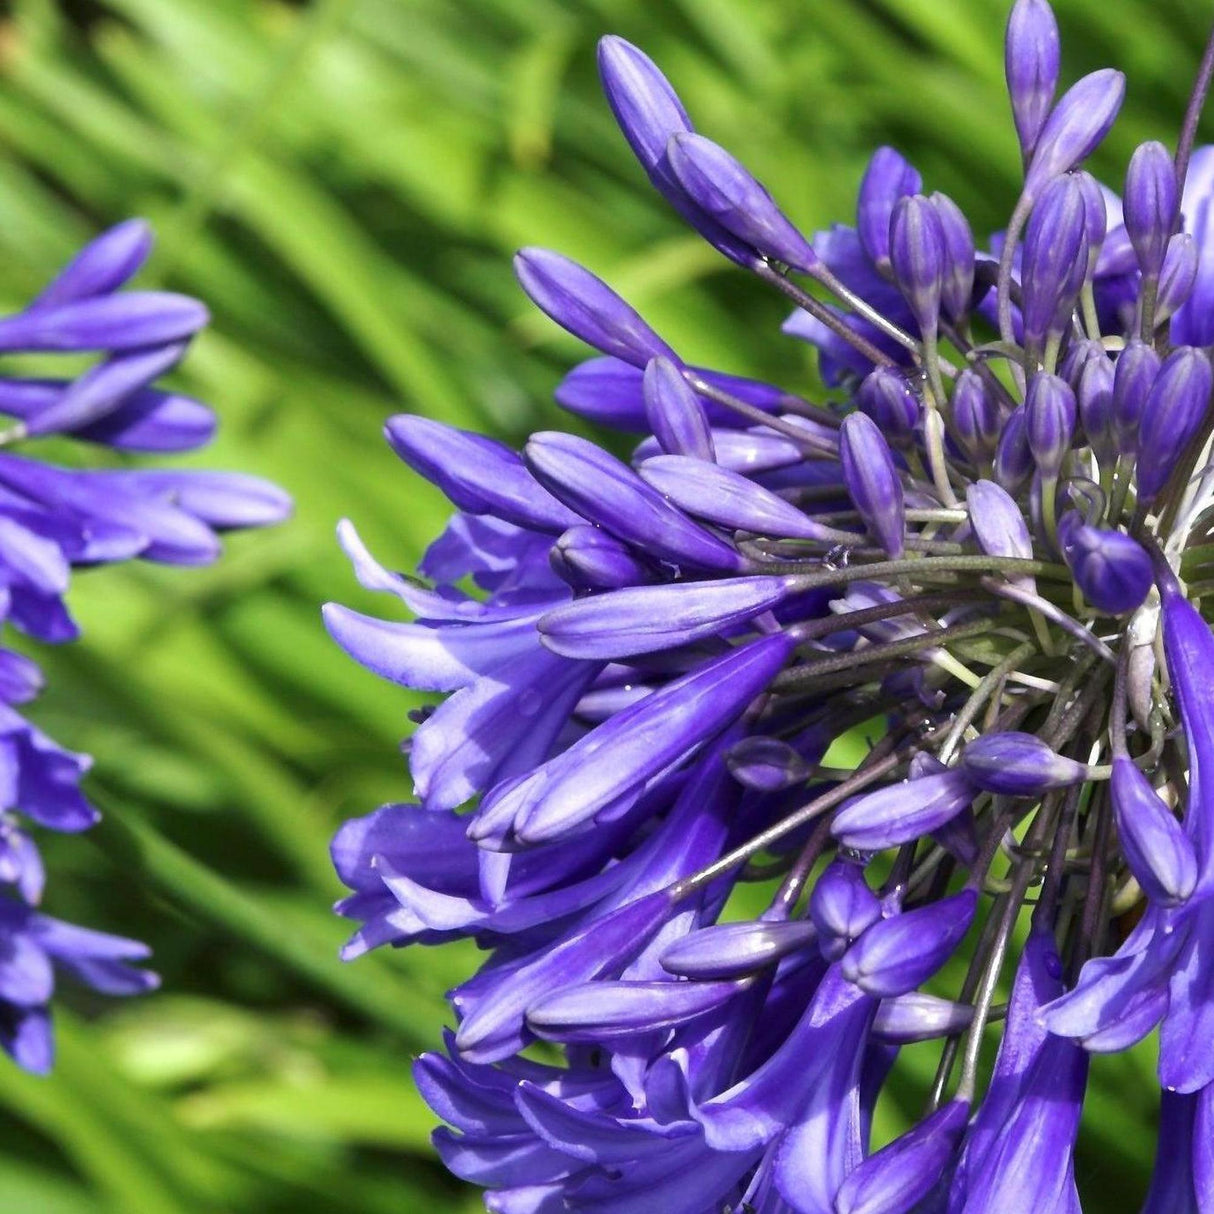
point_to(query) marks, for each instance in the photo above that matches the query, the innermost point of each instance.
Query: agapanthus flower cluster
(54, 519)
(988, 556)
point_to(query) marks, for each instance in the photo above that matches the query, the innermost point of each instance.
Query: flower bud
(1177, 278)
(1018, 765)
(1095, 217)
(605, 491)
(649, 112)
(898, 954)
(977, 419)
(1112, 570)
(725, 497)
(589, 559)
(767, 764)
(592, 1012)
(728, 950)
(916, 1016)
(722, 188)
(1151, 205)
(842, 907)
(917, 257)
(1158, 851)
(1032, 56)
(1013, 456)
(646, 619)
(886, 396)
(958, 284)
(888, 177)
(1050, 410)
(999, 525)
(1054, 263)
(1075, 126)
(900, 1175)
(872, 481)
(899, 813)
(675, 414)
(1173, 413)
(587, 307)
(1135, 372)
(1095, 399)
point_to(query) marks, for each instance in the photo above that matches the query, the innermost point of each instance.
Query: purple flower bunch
(990, 555)
(54, 519)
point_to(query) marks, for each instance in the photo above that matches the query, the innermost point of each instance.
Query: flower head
(979, 547)
(55, 518)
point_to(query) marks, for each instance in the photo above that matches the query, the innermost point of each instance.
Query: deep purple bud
(644, 619)
(899, 1176)
(605, 491)
(917, 256)
(889, 176)
(610, 392)
(767, 764)
(1178, 276)
(589, 559)
(1075, 127)
(722, 188)
(1134, 375)
(478, 474)
(977, 419)
(1151, 204)
(872, 481)
(1031, 60)
(1112, 570)
(126, 321)
(1158, 851)
(1014, 456)
(958, 284)
(729, 950)
(676, 416)
(649, 112)
(916, 1016)
(1018, 765)
(1095, 398)
(1050, 410)
(886, 396)
(102, 266)
(1054, 263)
(604, 1011)
(726, 498)
(897, 955)
(587, 307)
(1080, 352)
(899, 813)
(646, 107)
(842, 907)
(1095, 216)
(1174, 410)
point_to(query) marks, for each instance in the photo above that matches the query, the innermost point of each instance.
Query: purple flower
(986, 580)
(53, 519)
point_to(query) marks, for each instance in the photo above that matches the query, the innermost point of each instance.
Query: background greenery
(343, 182)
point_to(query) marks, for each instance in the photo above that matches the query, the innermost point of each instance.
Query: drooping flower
(970, 551)
(55, 518)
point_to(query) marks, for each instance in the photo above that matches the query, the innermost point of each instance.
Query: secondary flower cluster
(53, 519)
(990, 555)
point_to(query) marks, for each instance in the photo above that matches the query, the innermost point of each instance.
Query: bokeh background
(343, 181)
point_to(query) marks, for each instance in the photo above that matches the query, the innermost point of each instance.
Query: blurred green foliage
(343, 182)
